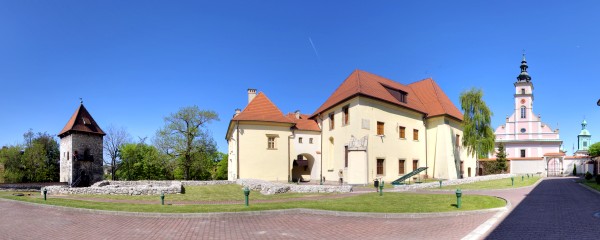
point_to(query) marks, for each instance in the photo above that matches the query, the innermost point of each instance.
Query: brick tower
(81, 145)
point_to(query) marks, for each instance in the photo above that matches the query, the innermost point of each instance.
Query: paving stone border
(402, 188)
(267, 212)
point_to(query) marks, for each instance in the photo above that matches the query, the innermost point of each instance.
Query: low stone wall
(174, 187)
(205, 183)
(121, 188)
(450, 182)
(29, 186)
(269, 188)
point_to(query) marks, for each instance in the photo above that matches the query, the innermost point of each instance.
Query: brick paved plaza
(554, 209)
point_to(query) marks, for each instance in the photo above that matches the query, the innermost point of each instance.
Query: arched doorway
(301, 167)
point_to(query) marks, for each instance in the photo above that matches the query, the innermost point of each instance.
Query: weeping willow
(478, 134)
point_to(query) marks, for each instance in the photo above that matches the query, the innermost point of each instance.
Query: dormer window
(86, 121)
(400, 95)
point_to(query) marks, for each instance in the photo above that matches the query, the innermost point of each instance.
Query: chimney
(237, 112)
(297, 114)
(251, 94)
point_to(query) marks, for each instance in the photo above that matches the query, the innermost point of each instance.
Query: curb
(268, 212)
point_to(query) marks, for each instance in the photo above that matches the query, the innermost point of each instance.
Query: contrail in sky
(315, 49)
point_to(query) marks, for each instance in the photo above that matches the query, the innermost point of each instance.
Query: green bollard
(162, 198)
(522, 178)
(45, 192)
(246, 194)
(458, 197)
(512, 179)
(381, 188)
(440, 184)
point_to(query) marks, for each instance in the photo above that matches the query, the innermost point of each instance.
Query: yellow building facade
(369, 128)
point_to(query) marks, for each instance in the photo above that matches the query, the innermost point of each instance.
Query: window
(523, 113)
(310, 140)
(380, 166)
(415, 164)
(331, 121)
(457, 141)
(401, 164)
(299, 140)
(380, 126)
(402, 132)
(68, 156)
(346, 116)
(345, 156)
(522, 90)
(398, 94)
(522, 152)
(271, 143)
(584, 143)
(415, 134)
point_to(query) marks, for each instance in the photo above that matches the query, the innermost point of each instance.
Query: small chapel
(81, 150)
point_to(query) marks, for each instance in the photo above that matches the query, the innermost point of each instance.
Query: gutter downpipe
(321, 150)
(426, 143)
(237, 155)
(289, 170)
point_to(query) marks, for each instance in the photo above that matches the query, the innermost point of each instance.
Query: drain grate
(597, 214)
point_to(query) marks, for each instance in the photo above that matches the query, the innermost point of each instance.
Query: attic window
(396, 93)
(86, 121)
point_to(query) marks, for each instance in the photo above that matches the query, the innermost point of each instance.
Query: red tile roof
(558, 154)
(434, 99)
(261, 109)
(81, 121)
(304, 123)
(424, 96)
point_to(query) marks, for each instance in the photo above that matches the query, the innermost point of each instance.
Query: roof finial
(524, 55)
(81, 100)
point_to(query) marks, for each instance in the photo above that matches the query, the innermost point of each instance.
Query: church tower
(523, 96)
(583, 140)
(81, 150)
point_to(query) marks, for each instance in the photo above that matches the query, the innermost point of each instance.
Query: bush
(588, 176)
(598, 179)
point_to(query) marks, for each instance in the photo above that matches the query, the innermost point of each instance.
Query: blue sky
(135, 62)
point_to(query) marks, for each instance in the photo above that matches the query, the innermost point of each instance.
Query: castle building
(81, 150)
(369, 128)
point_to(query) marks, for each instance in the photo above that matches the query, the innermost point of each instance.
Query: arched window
(522, 90)
(523, 112)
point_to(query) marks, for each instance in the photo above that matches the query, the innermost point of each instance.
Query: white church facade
(531, 145)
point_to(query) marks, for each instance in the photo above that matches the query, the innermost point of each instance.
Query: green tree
(221, 172)
(594, 150)
(501, 159)
(478, 134)
(10, 158)
(185, 138)
(140, 161)
(35, 161)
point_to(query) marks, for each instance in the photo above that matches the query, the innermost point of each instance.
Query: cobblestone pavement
(558, 208)
(26, 221)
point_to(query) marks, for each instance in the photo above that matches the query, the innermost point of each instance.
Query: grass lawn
(370, 202)
(496, 184)
(592, 183)
(209, 193)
